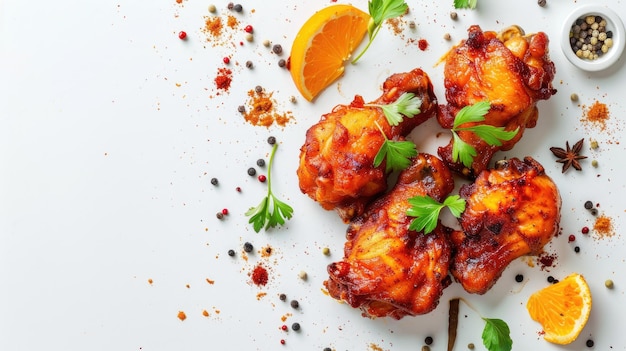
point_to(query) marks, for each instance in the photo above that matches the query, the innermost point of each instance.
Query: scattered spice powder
(597, 113)
(213, 26)
(603, 226)
(224, 78)
(262, 112)
(259, 275)
(546, 261)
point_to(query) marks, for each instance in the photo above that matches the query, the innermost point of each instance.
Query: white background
(111, 129)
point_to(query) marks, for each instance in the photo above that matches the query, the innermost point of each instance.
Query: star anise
(569, 157)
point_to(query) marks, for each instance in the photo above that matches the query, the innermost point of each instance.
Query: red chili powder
(547, 260)
(213, 26)
(422, 44)
(224, 78)
(259, 275)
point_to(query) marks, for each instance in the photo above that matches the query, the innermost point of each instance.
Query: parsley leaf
(426, 211)
(397, 153)
(406, 105)
(465, 4)
(380, 11)
(489, 134)
(496, 335)
(271, 211)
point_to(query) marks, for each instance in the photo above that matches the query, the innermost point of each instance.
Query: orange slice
(562, 309)
(323, 45)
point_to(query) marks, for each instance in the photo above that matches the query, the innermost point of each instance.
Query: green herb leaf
(397, 153)
(489, 134)
(496, 335)
(406, 105)
(271, 211)
(465, 4)
(426, 211)
(380, 11)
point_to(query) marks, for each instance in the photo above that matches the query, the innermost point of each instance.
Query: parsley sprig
(496, 333)
(271, 211)
(489, 134)
(465, 4)
(381, 10)
(397, 152)
(426, 211)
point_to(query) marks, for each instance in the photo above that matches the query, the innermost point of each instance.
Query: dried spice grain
(223, 79)
(603, 226)
(262, 110)
(259, 275)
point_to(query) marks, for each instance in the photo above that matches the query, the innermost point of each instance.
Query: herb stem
(369, 42)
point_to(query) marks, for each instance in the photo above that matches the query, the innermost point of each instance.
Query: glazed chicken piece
(387, 269)
(511, 70)
(511, 211)
(336, 161)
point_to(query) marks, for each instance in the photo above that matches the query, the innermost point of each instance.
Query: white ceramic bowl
(614, 24)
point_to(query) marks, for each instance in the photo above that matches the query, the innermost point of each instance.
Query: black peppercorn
(588, 205)
(214, 181)
(541, 3)
(281, 63)
(251, 171)
(241, 108)
(519, 278)
(576, 249)
(327, 349)
(295, 326)
(260, 162)
(249, 64)
(589, 343)
(428, 340)
(230, 6)
(231, 252)
(258, 88)
(277, 49)
(219, 215)
(271, 140)
(247, 247)
(593, 211)
(282, 297)
(550, 279)
(238, 8)
(294, 303)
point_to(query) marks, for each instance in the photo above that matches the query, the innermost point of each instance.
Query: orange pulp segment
(562, 309)
(323, 45)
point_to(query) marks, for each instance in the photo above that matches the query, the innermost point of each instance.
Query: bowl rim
(614, 23)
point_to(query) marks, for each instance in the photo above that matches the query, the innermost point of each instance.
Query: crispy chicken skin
(389, 270)
(511, 70)
(511, 211)
(336, 161)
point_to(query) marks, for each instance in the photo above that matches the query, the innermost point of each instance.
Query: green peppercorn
(326, 251)
(470, 346)
(609, 284)
(594, 163)
(573, 97)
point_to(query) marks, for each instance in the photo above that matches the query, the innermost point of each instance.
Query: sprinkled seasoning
(262, 110)
(259, 275)
(603, 226)
(598, 114)
(224, 78)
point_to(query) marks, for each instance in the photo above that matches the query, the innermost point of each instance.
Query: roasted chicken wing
(511, 70)
(336, 161)
(389, 270)
(511, 211)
